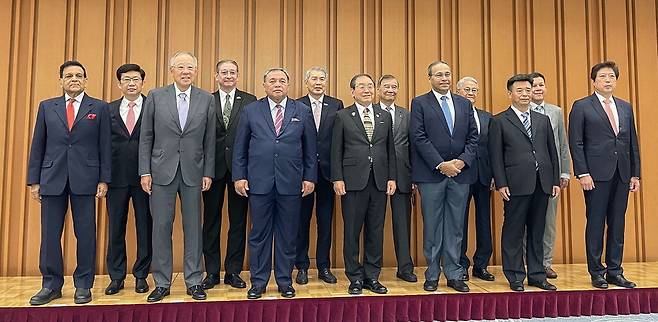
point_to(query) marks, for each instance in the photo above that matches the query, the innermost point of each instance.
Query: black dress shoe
(302, 276)
(114, 287)
(407, 277)
(82, 296)
(374, 286)
(326, 276)
(287, 291)
(619, 280)
(431, 286)
(599, 282)
(255, 292)
(483, 274)
(458, 285)
(234, 280)
(544, 285)
(516, 286)
(355, 288)
(158, 294)
(464, 276)
(210, 281)
(141, 285)
(44, 296)
(197, 292)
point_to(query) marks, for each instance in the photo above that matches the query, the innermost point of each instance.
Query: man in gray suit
(401, 199)
(180, 159)
(554, 113)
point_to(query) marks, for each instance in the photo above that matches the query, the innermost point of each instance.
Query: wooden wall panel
(490, 40)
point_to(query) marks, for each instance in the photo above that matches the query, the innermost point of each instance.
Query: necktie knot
(131, 105)
(71, 100)
(183, 96)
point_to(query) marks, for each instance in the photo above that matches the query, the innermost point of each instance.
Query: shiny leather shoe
(255, 292)
(516, 286)
(464, 276)
(234, 280)
(141, 285)
(483, 274)
(302, 276)
(326, 276)
(287, 291)
(197, 292)
(210, 281)
(114, 287)
(619, 280)
(550, 273)
(544, 285)
(82, 296)
(407, 277)
(458, 285)
(599, 282)
(44, 296)
(374, 286)
(158, 294)
(431, 286)
(355, 288)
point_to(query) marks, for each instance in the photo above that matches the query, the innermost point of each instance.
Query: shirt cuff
(146, 174)
(565, 176)
(583, 175)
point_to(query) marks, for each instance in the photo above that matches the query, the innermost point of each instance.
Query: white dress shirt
(613, 107)
(371, 113)
(222, 98)
(123, 108)
(391, 111)
(76, 103)
(451, 106)
(477, 119)
(273, 105)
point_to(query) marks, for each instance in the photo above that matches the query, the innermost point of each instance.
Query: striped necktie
(367, 123)
(526, 123)
(278, 119)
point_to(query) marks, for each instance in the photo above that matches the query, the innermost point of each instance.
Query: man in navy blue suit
(69, 161)
(275, 164)
(444, 140)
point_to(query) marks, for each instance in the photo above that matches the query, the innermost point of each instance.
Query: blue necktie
(446, 112)
(526, 123)
(183, 108)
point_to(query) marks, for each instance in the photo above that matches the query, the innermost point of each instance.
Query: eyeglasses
(440, 75)
(470, 90)
(69, 77)
(182, 68)
(128, 80)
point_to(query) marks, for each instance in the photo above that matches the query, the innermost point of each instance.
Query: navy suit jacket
(81, 157)
(482, 159)
(330, 106)
(594, 147)
(125, 148)
(432, 143)
(267, 160)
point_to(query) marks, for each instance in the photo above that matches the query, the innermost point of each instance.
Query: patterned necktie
(611, 118)
(367, 123)
(446, 112)
(183, 108)
(130, 119)
(70, 113)
(317, 113)
(278, 119)
(526, 123)
(540, 109)
(226, 113)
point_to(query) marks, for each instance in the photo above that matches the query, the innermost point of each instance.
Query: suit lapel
(138, 122)
(357, 121)
(324, 112)
(436, 107)
(85, 107)
(60, 110)
(192, 106)
(116, 109)
(287, 114)
(237, 106)
(377, 127)
(398, 119)
(534, 123)
(621, 114)
(267, 114)
(173, 107)
(598, 107)
(219, 109)
(512, 117)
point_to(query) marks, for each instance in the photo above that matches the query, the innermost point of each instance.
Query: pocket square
(91, 116)
(294, 119)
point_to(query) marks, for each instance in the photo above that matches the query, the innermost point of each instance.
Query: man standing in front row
(525, 170)
(69, 161)
(324, 108)
(363, 173)
(177, 157)
(606, 160)
(275, 164)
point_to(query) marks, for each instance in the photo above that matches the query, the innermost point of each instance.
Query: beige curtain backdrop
(489, 40)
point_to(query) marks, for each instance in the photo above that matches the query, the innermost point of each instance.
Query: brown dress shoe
(550, 273)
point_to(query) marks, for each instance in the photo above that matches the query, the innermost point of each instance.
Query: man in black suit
(229, 102)
(363, 173)
(606, 160)
(480, 190)
(324, 108)
(125, 114)
(401, 199)
(525, 169)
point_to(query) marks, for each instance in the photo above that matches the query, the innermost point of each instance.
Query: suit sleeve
(105, 144)
(309, 147)
(209, 137)
(496, 153)
(392, 158)
(552, 152)
(38, 148)
(576, 139)
(422, 144)
(565, 159)
(337, 150)
(241, 146)
(146, 136)
(472, 136)
(634, 148)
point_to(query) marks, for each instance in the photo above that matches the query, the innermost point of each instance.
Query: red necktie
(278, 119)
(130, 119)
(611, 118)
(70, 113)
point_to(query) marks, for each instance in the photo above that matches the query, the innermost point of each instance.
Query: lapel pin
(353, 113)
(377, 115)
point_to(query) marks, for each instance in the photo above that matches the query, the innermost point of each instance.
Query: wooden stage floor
(16, 291)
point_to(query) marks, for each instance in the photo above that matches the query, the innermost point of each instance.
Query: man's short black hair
(518, 78)
(534, 75)
(71, 63)
(353, 80)
(130, 68)
(606, 64)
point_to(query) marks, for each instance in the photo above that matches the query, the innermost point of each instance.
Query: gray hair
(307, 75)
(276, 69)
(460, 83)
(438, 62)
(181, 53)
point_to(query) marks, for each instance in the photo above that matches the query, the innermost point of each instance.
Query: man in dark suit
(177, 157)
(444, 142)
(525, 169)
(606, 160)
(229, 102)
(479, 191)
(401, 199)
(324, 108)
(363, 173)
(126, 119)
(69, 161)
(275, 163)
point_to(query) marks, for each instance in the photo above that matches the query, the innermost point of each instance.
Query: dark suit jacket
(482, 160)
(594, 147)
(351, 151)
(80, 157)
(513, 153)
(125, 148)
(267, 160)
(401, 141)
(330, 106)
(432, 143)
(226, 136)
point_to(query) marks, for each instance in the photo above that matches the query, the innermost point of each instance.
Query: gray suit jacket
(555, 114)
(401, 141)
(163, 145)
